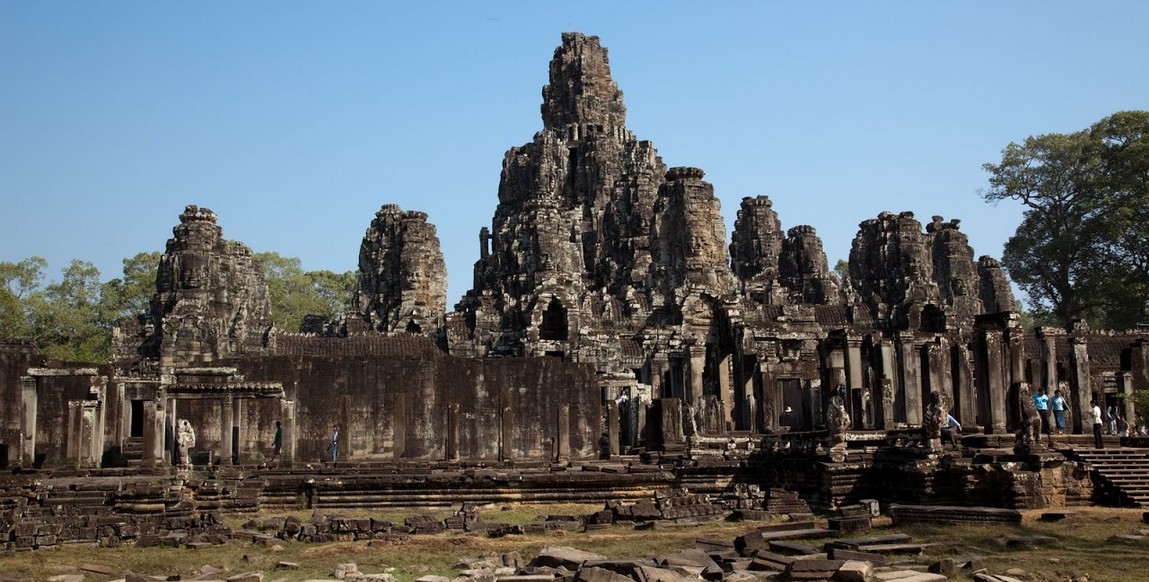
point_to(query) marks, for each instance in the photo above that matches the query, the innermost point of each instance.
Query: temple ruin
(607, 298)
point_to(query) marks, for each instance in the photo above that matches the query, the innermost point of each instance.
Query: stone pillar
(453, 431)
(964, 401)
(854, 361)
(153, 454)
(895, 407)
(227, 420)
(1047, 341)
(91, 426)
(886, 410)
(238, 415)
(771, 401)
(172, 432)
(73, 435)
(992, 372)
(726, 392)
(287, 450)
(612, 423)
(911, 377)
(939, 373)
(28, 402)
(658, 366)
(1125, 388)
(399, 427)
(563, 439)
(1080, 383)
(697, 365)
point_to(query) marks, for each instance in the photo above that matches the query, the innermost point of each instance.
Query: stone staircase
(1120, 475)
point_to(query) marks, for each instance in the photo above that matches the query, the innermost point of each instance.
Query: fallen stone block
(812, 569)
(945, 567)
(791, 548)
(908, 576)
(98, 569)
(287, 565)
(563, 557)
(854, 571)
(343, 570)
(1132, 539)
(843, 554)
(247, 577)
(596, 574)
(1052, 516)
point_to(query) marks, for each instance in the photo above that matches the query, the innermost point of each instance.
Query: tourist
(277, 441)
(1059, 405)
(1122, 426)
(1111, 414)
(604, 447)
(951, 430)
(1096, 411)
(1041, 402)
(334, 444)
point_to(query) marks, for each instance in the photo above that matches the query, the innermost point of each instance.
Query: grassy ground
(1082, 548)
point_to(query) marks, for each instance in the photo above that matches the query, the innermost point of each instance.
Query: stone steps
(1120, 473)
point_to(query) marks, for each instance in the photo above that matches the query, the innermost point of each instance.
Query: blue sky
(296, 121)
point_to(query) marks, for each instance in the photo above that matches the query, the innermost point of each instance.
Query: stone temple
(607, 298)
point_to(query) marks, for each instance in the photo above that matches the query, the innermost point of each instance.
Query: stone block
(596, 574)
(247, 577)
(836, 553)
(346, 569)
(563, 557)
(854, 571)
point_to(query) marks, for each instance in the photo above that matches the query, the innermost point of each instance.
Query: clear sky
(295, 121)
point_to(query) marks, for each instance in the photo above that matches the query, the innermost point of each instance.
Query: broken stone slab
(98, 569)
(854, 543)
(437, 578)
(344, 570)
(887, 549)
(797, 534)
(844, 554)
(287, 565)
(563, 557)
(791, 548)
(596, 574)
(691, 558)
(908, 576)
(984, 577)
(247, 577)
(812, 569)
(945, 567)
(656, 574)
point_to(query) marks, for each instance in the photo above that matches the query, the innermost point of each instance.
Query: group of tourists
(1057, 405)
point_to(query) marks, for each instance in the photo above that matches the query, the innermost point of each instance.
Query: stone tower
(402, 274)
(211, 300)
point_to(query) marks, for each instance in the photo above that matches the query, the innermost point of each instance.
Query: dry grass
(1082, 548)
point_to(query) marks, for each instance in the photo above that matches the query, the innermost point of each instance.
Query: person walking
(1096, 425)
(334, 444)
(1041, 403)
(1059, 406)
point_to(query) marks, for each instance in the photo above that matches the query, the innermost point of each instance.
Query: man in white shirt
(1096, 425)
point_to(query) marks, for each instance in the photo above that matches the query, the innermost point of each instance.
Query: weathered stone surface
(563, 557)
(402, 274)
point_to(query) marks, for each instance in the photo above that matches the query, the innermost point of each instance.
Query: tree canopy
(1082, 249)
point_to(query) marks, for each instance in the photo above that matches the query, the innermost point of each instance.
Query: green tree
(19, 281)
(1080, 251)
(296, 293)
(65, 316)
(130, 295)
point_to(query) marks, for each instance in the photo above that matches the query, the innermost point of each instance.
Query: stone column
(72, 435)
(288, 448)
(1080, 384)
(91, 426)
(726, 392)
(697, 366)
(563, 439)
(1047, 342)
(992, 374)
(1125, 388)
(153, 454)
(238, 415)
(886, 409)
(658, 366)
(911, 377)
(854, 361)
(28, 402)
(453, 431)
(965, 402)
(771, 401)
(612, 425)
(172, 432)
(894, 401)
(939, 374)
(227, 420)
